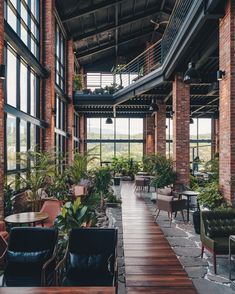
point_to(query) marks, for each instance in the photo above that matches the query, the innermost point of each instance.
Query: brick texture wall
(149, 135)
(70, 76)
(1, 112)
(181, 108)
(215, 136)
(82, 134)
(160, 130)
(227, 102)
(48, 61)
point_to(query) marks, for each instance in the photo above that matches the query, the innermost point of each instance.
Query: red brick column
(82, 134)
(1, 112)
(160, 130)
(48, 19)
(215, 136)
(227, 102)
(149, 135)
(70, 76)
(181, 108)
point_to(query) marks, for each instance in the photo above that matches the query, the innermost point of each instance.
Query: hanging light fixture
(2, 72)
(109, 121)
(192, 75)
(153, 106)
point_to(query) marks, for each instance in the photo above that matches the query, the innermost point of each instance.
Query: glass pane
(11, 78)
(93, 128)
(23, 143)
(33, 141)
(193, 130)
(11, 142)
(169, 129)
(204, 152)
(11, 18)
(23, 87)
(122, 128)
(24, 35)
(122, 150)
(107, 130)
(204, 128)
(136, 128)
(94, 149)
(107, 151)
(136, 151)
(33, 94)
(24, 14)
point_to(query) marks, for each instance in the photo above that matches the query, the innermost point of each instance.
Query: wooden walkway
(151, 265)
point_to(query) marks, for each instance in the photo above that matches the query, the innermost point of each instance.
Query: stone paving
(186, 244)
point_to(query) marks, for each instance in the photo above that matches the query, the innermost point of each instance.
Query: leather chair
(53, 208)
(90, 259)
(216, 227)
(167, 200)
(30, 257)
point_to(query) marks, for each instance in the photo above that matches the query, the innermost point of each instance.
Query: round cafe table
(27, 218)
(188, 194)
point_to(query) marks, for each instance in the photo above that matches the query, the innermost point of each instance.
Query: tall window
(76, 133)
(60, 128)
(122, 138)
(60, 58)
(22, 111)
(23, 17)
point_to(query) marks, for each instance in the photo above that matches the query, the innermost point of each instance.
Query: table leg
(187, 209)
(229, 246)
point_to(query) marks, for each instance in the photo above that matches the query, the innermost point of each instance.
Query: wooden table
(188, 194)
(57, 290)
(27, 218)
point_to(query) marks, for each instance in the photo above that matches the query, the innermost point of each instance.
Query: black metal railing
(154, 56)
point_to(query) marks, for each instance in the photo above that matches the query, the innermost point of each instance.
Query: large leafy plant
(102, 182)
(58, 187)
(72, 215)
(42, 166)
(162, 171)
(210, 196)
(125, 166)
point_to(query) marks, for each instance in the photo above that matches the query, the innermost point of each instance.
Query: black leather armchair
(30, 257)
(216, 227)
(90, 259)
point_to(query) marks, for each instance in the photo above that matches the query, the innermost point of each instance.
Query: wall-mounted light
(192, 75)
(220, 74)
(53, 110)
(109, 121)
(191, 121)
(2, 72)
(171, 114)
(153, 106)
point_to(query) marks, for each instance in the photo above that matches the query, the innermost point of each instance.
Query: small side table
(231, 239)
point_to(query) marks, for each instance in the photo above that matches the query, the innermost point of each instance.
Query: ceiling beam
(111, 44)
(91, 9)
(121, 23)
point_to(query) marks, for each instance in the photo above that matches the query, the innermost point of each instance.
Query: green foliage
(78, 169)
(58, 187)
(111, 198)
(210, 196)
(42, 167)
(72, 215)
(163, 172)
(193, 183)
(212, 166)
(77, 82)
(8, 194)
(102, 180)
(125, 166)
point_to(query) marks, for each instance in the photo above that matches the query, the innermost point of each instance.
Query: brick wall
(82, 134)
(181, 108)
(215, 137)
(160, 130)
(70, 76)
(227, 102)
(149, 135)
(1, 112)
(48, 61)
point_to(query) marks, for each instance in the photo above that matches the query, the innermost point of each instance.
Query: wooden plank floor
(151, 265)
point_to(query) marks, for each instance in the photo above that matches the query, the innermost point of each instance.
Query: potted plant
(102, 183)
(58, 187)
(111, 200)
(116, 167)
(77, 83)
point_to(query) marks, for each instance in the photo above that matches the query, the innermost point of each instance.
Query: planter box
(116, 181)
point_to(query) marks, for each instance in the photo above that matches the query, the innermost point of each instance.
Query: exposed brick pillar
(82, 134)
(149, 135)
(227, 102)
(160, 130)
(70, 76)
(181, 108)
(49, 63)
(1, 112)
(215, 137)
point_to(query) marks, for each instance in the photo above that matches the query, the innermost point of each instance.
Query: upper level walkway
(151, 265)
